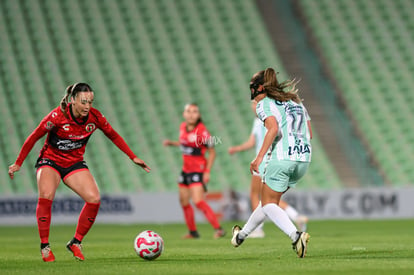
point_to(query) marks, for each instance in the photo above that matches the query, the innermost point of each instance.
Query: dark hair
(279, 91)
(71, 91)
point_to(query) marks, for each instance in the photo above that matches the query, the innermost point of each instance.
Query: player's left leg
(197, 195)
(83, 184)
(256, 219)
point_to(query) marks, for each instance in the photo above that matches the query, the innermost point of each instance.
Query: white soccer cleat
(235, 241)
(301, 244)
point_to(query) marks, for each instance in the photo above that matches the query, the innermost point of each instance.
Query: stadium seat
(145, 60)
(373, 72)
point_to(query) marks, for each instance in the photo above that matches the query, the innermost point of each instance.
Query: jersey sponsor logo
(298, 149)
(196, 178)
(54, 114)
(66, 144)
(41, 162)
(90, 127)
(76, 136)
(191, 151)
(66, 127)
(49, 125)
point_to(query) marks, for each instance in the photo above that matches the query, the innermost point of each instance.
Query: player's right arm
(168, 142)
(248, 144)
(43, 128)
(272, 129)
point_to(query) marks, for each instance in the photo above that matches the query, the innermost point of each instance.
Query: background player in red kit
(69, 128)
(195, 141)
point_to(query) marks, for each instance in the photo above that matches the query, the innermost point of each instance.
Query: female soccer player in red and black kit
(195, 141)
(69, 128)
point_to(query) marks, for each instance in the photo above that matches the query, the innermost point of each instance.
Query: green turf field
(345, 247)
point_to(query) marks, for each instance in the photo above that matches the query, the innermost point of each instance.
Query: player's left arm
(308, 120)
(310, 129)
(120, 143)
(210, 161)
(123, 146)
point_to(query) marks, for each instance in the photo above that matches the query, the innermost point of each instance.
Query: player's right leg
(301, 221)
(48, 179)
(279, 217)
(188, 211)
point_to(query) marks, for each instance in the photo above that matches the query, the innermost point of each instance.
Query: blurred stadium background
(146, 58)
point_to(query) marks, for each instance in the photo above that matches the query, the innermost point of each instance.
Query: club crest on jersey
(90, 127)
(49, 125)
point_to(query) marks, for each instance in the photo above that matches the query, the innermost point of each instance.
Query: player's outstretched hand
(142, 163)
(13, 169)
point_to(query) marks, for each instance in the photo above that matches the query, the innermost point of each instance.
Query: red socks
(208, 213)
(189, 217)
(86, 219)
(43, 216)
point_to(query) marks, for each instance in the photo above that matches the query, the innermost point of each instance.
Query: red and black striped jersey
(193, 145)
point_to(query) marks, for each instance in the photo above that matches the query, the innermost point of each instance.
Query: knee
(94, 199)
(47, 195)
(184, 202)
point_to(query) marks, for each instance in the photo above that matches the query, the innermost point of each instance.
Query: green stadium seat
(145, 61)
(380, 60)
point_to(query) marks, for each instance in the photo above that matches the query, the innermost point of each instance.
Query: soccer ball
(148, 245)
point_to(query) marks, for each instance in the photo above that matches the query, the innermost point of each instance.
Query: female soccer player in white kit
(287, 148)
(256, 140)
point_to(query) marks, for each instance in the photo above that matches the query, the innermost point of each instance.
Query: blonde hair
(283, 91)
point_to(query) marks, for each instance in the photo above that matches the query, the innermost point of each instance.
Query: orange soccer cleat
(76, 249)
(47, 254)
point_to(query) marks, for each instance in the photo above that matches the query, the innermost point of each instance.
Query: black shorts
(191, 179)
(63, 172)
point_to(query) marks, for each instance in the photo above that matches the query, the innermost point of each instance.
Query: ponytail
(270, 78)
(280, 91)
(65, 100)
